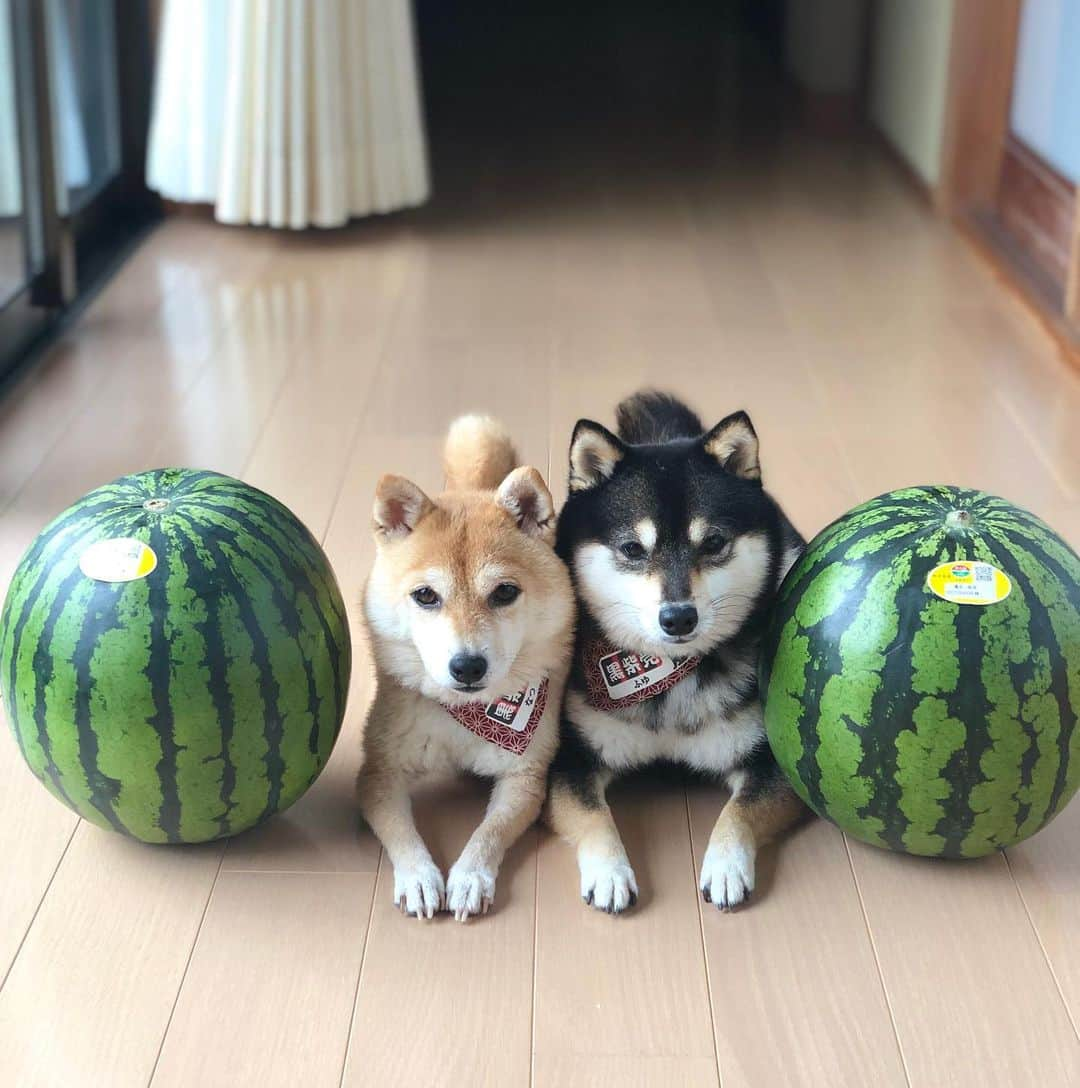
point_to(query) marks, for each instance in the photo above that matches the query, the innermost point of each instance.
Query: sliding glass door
(75, 78)
(15, 264)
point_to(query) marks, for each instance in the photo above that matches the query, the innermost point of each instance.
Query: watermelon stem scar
(959, 522)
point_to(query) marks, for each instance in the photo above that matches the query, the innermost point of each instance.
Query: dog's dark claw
(587, 899)
(633, 900)
(706, 895)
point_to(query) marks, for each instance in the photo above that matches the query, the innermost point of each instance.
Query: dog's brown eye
(714, 544)
(632, 550)
(425, 597)
(504, 594)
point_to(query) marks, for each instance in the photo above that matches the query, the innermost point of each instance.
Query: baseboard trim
(1023, 277)
(1035, 206)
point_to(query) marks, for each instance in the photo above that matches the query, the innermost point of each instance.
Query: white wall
(823, 43)
(909, 71)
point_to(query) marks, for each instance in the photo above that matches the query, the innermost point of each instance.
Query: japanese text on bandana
(509, 722)
(621, 678)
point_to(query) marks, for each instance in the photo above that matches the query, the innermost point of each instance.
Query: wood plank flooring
(809, 287)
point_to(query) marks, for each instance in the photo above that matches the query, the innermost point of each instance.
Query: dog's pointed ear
(399, 506)
(525, 497)
(734, 443)
(594, 453)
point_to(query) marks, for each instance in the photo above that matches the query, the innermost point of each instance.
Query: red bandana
(621, 678)
(509, 722)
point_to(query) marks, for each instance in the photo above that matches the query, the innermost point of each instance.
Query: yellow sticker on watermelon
(121, 559)
(966, 582)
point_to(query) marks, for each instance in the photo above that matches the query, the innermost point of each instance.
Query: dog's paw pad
(419, 889)
(608, 884)
(727, 876)
(469, 891)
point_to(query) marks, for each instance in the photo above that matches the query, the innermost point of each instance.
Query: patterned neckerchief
(621, 678)
(509, 722)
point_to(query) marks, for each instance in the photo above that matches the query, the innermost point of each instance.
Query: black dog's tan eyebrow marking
(646, 533)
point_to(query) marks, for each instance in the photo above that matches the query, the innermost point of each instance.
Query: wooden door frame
(982, 59)
(982, 56)
(1072, 285)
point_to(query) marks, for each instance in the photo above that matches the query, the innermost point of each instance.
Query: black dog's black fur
(651, 418)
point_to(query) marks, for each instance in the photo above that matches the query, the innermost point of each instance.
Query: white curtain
(288, 113)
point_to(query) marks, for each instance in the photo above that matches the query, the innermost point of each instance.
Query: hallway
(801, 280)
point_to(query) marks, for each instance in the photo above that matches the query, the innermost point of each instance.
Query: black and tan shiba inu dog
(676, 553)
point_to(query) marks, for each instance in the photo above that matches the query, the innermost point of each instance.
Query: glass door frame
(26, 313)
(69, 256)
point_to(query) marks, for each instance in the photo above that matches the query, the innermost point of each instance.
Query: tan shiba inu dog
(471, 617)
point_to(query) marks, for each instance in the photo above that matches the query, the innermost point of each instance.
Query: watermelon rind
(190, 703)
(917, 723)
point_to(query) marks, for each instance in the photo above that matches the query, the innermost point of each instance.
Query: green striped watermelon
(921, 673)
(174, 656)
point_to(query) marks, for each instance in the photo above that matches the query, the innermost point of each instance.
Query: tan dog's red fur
(493, 527)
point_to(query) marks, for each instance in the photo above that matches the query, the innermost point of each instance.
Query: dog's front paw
(727, 875)
(419, 888)
(607, 883)
(470, 889)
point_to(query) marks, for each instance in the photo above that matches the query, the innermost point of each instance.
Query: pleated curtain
(288, 113)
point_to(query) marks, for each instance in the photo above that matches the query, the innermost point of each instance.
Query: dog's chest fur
(426, 741)
(622, 743)
(711, 720)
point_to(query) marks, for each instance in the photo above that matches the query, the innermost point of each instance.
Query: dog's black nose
(678, 620)
(468, 668)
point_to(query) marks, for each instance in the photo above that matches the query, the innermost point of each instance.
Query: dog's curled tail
(479, 454)
(650, 418)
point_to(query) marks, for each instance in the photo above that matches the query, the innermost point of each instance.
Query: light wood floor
(872, 349)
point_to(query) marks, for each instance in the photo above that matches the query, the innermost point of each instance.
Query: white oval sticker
(119, 560)
(966, 582)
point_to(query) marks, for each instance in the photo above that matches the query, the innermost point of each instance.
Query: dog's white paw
(419, 888)
(608, 884)
(727, 875)
(469, 890)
